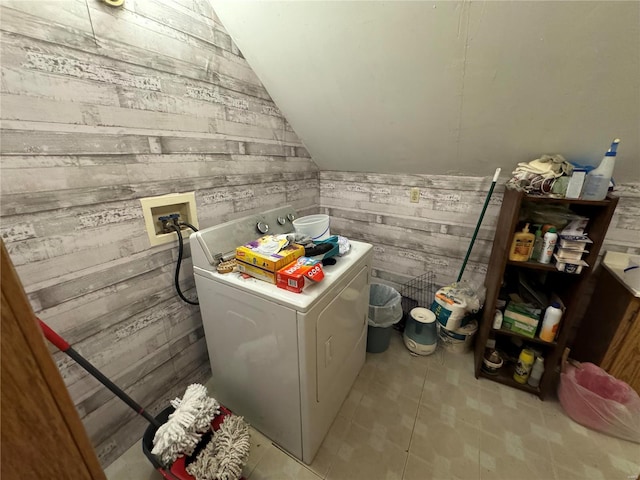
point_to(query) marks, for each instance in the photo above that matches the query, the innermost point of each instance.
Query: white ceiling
(448, 87)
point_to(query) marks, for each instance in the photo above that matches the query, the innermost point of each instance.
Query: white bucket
(314, 226)
(460, 340)
(449, 309)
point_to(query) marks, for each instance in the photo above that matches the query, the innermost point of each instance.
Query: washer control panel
(222, 239)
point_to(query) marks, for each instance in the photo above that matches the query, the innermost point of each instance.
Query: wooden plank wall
(99, 108)
(433, 235)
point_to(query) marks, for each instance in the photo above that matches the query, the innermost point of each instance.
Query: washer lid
(298, 301)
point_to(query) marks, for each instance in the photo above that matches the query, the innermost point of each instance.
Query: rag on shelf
(537, 176)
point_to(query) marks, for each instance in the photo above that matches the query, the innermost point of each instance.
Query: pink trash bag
(595, 399)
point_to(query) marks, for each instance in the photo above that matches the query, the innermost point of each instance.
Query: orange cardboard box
(292, 277)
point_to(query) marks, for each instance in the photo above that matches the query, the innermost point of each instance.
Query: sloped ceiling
(448, 87)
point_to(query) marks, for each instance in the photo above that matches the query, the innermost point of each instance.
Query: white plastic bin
(314, 226)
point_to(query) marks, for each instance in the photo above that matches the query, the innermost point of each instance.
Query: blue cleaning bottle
(596, 184)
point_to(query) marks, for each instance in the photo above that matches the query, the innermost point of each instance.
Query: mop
(184, 428)
(453, 303)
(225, 454)
(475, 232)
(194, 417)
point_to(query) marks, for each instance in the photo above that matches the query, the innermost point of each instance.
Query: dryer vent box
(183, 204)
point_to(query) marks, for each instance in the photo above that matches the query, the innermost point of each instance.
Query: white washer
(285, 361)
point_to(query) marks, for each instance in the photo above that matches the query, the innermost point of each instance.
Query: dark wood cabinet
(609, 334)
(570, 288)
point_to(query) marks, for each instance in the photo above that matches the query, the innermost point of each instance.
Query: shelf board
(505, 376)
(568, 201)
(528, 339)
(549, 267)
(546, 267)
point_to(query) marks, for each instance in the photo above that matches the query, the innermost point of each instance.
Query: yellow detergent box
(249, 254)
(256, 272)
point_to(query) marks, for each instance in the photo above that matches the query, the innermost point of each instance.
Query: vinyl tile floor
(419, 418)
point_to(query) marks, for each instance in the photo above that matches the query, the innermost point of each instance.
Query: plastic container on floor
(459, 340)
(378, 339)
(385, 309)
(595, 399)
(420, 334)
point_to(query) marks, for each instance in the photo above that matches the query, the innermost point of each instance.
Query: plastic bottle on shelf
(551, 322)
(497, 320)
(548, 245)
(523, 367)
(522, 245)
(596, 184)
(537, 245)
(536, 372)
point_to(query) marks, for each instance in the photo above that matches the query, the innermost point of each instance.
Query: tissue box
(247, 254)
(575, 230)
(292, 277)
(521, 318)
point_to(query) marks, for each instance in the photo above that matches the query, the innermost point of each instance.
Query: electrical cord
(176, 228)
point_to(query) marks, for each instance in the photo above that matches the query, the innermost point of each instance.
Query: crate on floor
(417, 292)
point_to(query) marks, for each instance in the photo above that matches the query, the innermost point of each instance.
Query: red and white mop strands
(225, 454)
(195, 414)
(184, 428)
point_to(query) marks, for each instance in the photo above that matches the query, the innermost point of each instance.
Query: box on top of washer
(255, 254)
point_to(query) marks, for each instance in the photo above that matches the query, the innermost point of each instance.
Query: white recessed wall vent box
(184, 204)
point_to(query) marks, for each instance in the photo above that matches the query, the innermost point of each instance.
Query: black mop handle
(62, 344)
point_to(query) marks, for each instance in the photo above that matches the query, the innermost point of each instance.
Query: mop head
(184, 428)
(226, 453)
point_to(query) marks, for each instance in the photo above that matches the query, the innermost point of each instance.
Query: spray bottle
(548, 245)
(596, 184)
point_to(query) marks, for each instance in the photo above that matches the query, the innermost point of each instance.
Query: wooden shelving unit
(569, 287)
